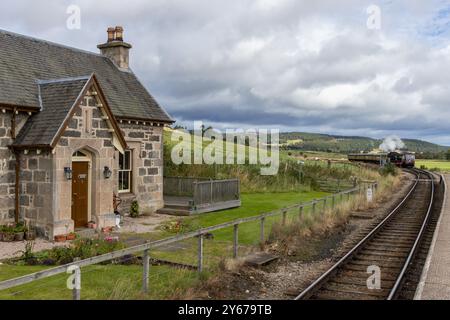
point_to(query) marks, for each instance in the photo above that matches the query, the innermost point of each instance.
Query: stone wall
(7, 165)
(146, 142)
(36, 190)
(95, 140)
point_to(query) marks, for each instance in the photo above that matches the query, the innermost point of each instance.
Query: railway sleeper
(363, 290)
(385, 284)
(384, 253)
(332, 295)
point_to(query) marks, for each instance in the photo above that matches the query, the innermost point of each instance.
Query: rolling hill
(348, 144)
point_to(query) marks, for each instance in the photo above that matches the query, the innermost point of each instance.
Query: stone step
(174, 212)
(86, 233)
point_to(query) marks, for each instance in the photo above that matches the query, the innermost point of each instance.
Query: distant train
(403, 159)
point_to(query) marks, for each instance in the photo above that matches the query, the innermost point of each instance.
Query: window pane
(121, 160)
(126, 180)
(127, 160)
(121, 181)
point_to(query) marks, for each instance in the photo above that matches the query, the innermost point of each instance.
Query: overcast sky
(289, 64)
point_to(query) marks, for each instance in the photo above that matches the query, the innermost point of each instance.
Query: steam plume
(392, 143)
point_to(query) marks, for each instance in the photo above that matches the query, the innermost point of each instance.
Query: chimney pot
(119, 33)
(111, 34)
(116, 49)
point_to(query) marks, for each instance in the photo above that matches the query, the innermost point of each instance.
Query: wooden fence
(181, 186)
(202, 191)
(215, 191)
(145, 249)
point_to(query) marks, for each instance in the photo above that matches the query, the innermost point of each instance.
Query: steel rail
(309, 291)
(393, 293)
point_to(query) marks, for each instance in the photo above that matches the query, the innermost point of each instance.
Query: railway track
(392, 248)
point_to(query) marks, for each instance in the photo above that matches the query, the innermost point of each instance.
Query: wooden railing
(214, 191)
(181, 186)
(202, 190)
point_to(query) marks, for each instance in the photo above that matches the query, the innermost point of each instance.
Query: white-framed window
(125, 171)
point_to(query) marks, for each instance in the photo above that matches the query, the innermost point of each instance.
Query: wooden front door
(80, 193)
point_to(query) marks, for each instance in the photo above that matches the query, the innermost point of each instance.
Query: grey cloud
(274, 63)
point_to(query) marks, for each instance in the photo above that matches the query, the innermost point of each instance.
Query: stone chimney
(116, 49)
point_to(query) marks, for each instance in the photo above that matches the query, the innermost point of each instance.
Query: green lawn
(121, 282)
(442, 165)
(99, 282)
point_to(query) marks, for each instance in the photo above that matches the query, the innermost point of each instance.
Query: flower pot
(8, 237)
(107, 230)
(60, 238)
(19, 236)
(92, 225)
(71, 237)
(30, 235)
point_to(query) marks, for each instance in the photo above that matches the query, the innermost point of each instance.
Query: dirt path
(290, 275)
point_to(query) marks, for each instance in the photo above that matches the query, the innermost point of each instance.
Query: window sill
(126, 194)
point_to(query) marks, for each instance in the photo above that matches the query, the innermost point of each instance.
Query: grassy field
(297, 170)
(99, 282)
(120, 282)
(438, 165)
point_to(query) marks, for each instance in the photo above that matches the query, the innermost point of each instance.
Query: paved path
(435, 282)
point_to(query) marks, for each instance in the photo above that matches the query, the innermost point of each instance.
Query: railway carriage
(402, 159)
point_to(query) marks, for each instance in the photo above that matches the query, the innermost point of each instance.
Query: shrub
(81, 249)
(134, 210)
(389, 169)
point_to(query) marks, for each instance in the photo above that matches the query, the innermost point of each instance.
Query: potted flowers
(71, 236)
(60, 238)
(7, 234)
(92, 225)
(19, 232)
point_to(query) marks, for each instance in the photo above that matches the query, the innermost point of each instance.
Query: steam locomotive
(400, 158)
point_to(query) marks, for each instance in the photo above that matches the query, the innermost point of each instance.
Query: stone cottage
(76, 129)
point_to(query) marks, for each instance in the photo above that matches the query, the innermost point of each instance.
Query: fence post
(314, 207)
(300, 212)
(324, 204)
(212, 182)
(76, 291)
(145, 277)
(284, 217)
(333, 202)
(236, 241)
(200, 253)
(262, 239)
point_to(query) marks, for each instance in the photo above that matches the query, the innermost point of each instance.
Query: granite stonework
(88, 132)
(146, 143)
(36, 190)
(7, 164)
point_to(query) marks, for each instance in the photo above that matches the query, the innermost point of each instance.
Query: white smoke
(391, 144)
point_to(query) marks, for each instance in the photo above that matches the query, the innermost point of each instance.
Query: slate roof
(24, 60)
(58, 98)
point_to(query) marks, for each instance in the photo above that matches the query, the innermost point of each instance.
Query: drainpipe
(17, 188)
